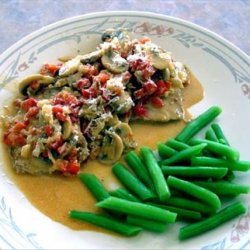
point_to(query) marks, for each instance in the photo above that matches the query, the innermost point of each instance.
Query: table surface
(228, 18)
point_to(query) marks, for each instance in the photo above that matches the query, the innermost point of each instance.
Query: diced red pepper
(33, 111)
(157, 102)
(18, 126)
(162, 87)
(90, 70)
(140, 110)
(48, 130)
(58, 112)
(89, 93)
(143, 40)
(73, 167)
(65, 98)
(14, 139)
(103, 78)
(62, 148)
(56, 144)
(148, 71)
(45, 153)
(28, 103)
(67, 167)
(83, 83)
(34, 85)
(139, 93)
(149, 87)
(126, 77)
(50, 69)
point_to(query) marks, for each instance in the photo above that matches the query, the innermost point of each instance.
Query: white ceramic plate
(221, 67)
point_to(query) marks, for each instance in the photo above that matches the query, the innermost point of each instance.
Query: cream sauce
(56, 195)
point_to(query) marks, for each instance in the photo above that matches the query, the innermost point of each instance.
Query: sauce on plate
(55, 195)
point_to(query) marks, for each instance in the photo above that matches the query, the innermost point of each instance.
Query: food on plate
(192, 192)
(78, 110)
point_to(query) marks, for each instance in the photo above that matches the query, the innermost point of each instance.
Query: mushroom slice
(67, 129)
(112, 148)
(161, 60)
(42, 79)
(114, 62)
(92, 57)
(126, 134)
(71, 66)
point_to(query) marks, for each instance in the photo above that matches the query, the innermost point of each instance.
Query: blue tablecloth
(228, 18)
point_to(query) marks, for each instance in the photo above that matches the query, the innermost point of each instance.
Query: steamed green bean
(177, 145)
(224, 187)
(183, 155)
(137, 209)
(147, 224)
(219, 133)
(198, 123)
(187, 203)
(196, 191)
(210, 135)
(165, 151)
(181, 212)
(106, 222)
(211, 161)
(94, 185)
(218, 148)
(195, 172)
(131, 182)
(136, 164)
(124, 194)
(156, 174)
(212, 222)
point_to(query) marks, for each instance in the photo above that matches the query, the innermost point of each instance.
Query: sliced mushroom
(42, 79)
(114, 62)
(161, 60)
(126, 134)
(112, 148)
(71, 66)
(67, 129)
(122, 104)
(166, 74)
(92, 57)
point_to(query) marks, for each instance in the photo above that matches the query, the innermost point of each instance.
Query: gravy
(56, 195)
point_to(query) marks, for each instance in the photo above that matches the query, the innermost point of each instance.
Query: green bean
(136, 164)
(219, 133)
(224, 187)
(106, 222)
(212, 222)
(177, 145)
(150, 225)
(210, 161)
(94, 185)
(198, 123)
(132, 183)
(192, 172)
(165, 151)
(137, 209)
(189, 204)
(156, 174)
(124, 194)
(181, 212)
(229, 176)
(183, 155)
(196, 191)
(210, 135)
(218, 148)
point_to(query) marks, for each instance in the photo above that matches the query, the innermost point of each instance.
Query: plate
(223, 70)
